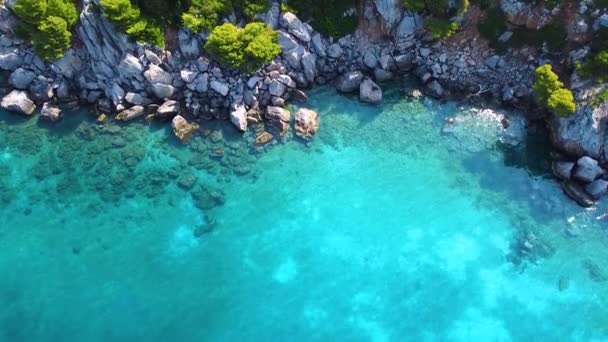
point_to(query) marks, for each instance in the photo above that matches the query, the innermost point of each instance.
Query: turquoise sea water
(384, 229)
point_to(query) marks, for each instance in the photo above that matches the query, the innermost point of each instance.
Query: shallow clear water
(385, 229)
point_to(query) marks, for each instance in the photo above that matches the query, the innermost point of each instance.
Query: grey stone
(405, 62)
(381, 75)
(188, 45)
(277, 88)
(309, 64)
(156, 74)
(294, 57)
(370, 92)
(130, 113)
(188, 76)
(221, 88)
(318, 45)
(238, 117)
(294, 26)
(597, 188)
(10, 59)
(505, 36)
(152, 57)
(41, 90)
(18, 101)
(21, 78)
(162, 91)
(369, 59)
(335, 51)
(130, 67)
(587, 170)
(562, 169)
(349, 81)
(137, 99)
(70, 64)
(286, 41)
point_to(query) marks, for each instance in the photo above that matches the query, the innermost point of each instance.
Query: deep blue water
(384, 229)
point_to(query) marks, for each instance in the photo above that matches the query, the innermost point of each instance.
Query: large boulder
(306, 123)
(582, 133)
(131, 113)
(19, 102)
(156, 74)
(286, 41)
(294, 26)
(21, 78)
(309, 63)
(130, 67)
(238, 117)
(277, 88)
(182, 129)
(50, 112)
(349, 82)
(163, 91)
(168, 110)
(370, 92)
(587, 170)
(278, 118)
(407, 29)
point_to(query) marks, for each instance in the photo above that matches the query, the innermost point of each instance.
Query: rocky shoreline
(128, 81)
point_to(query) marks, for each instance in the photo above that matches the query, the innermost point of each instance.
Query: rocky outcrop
(587, 170)
(19, 102)
(168, 110)
(183, 129)
(306, 123)
(526, 13)
(583, 133)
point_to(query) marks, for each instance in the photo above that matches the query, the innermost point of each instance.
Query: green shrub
(203, 15)
(545, 83)
(414, 5)
(52, 38)
(330, 17)
(601, 97)
(248, 48)
(63, 9)
(261, 45)
(128, 18)
(437, 8)
(30, 11)
(550, 92)
(225, 46)
(441, 28)
(249, 8)
(561, 102)
(46, 24)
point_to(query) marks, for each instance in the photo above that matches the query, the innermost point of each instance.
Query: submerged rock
(576, 192)
(306, 123)
(19, 102)
(182, 129)
(50, 112)
(562, 169)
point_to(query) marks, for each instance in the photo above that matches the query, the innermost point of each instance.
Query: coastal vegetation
(550, 92)
(439, 21)
(46, 24)
(128, 18)
(334, 18)
(247, 48)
